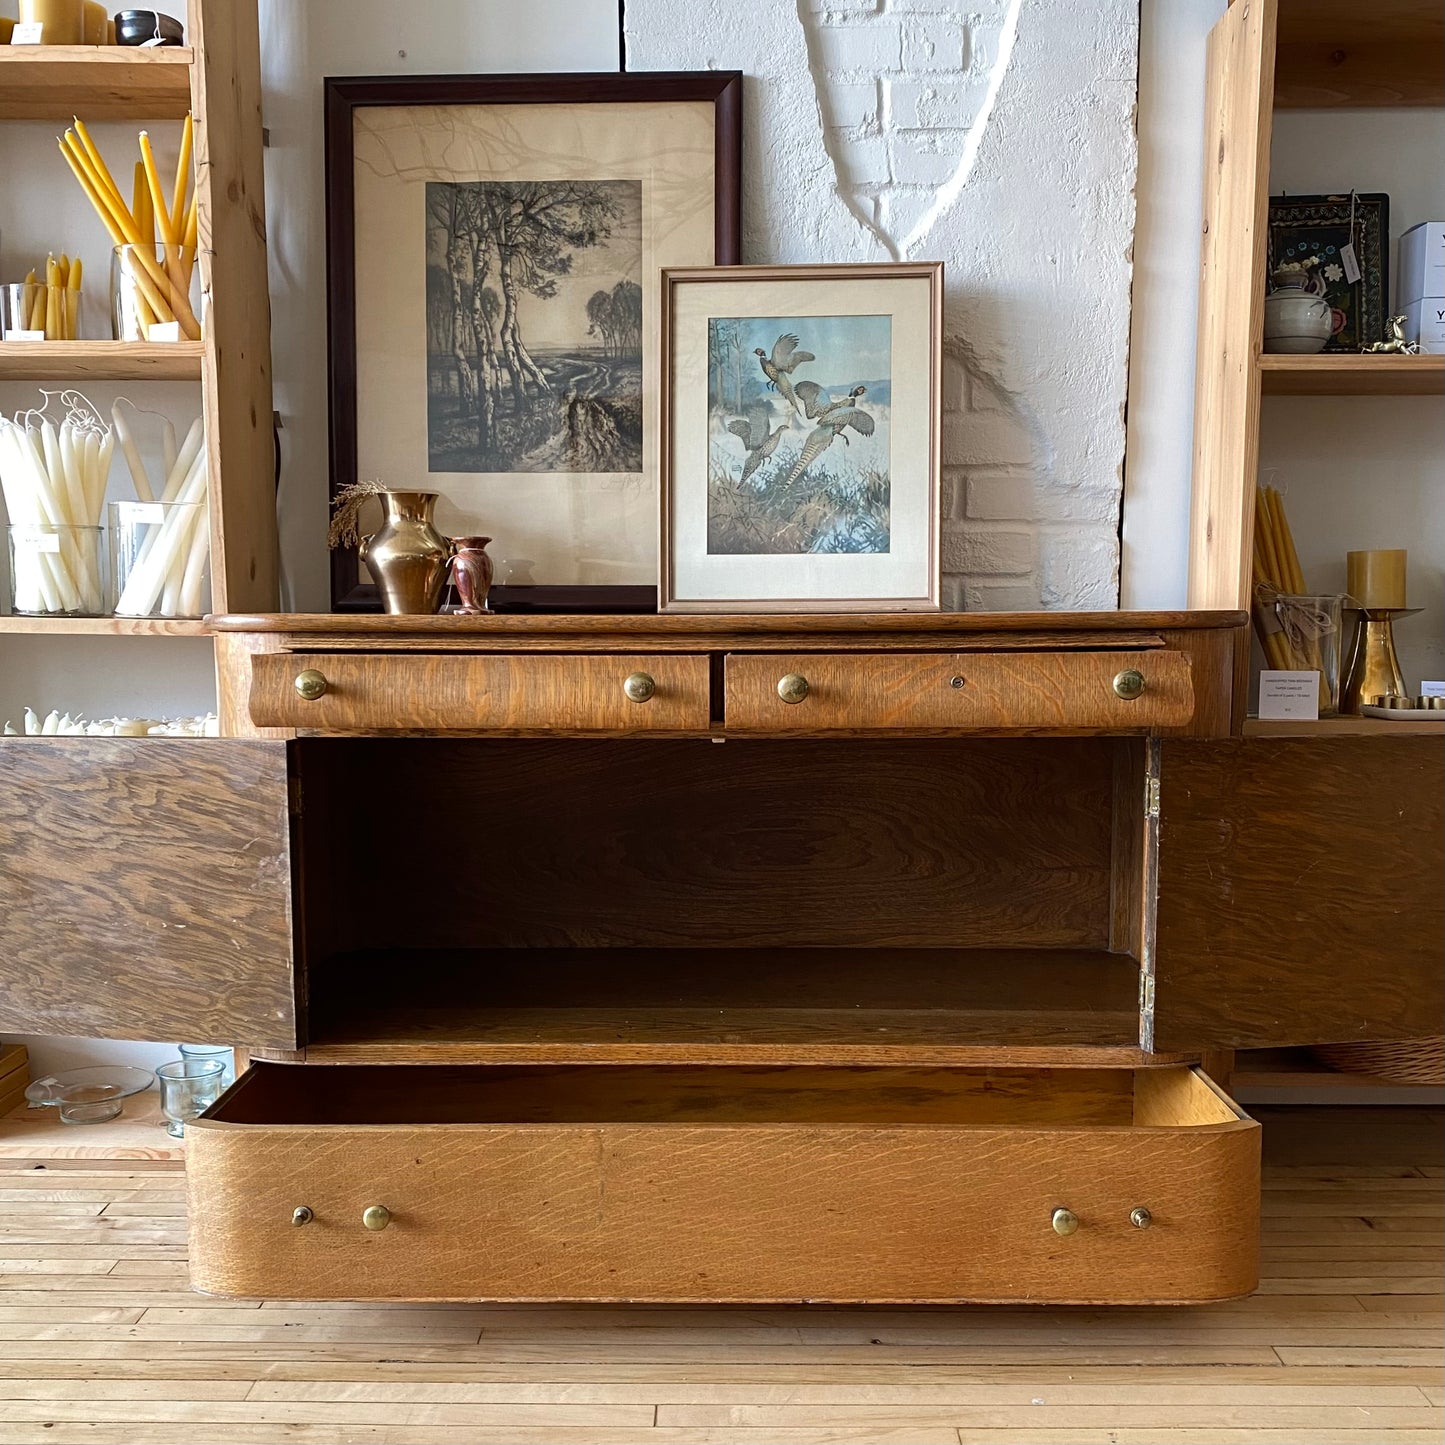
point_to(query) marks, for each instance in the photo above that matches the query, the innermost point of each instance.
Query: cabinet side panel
(145, 890)
(1299, 892)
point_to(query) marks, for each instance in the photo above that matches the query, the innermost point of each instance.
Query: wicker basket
(1401, 1061)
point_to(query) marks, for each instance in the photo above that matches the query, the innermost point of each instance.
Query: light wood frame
(932, 271)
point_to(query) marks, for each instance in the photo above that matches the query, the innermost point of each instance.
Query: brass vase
(406, 554)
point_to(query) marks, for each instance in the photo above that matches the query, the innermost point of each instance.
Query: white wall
(999, 138)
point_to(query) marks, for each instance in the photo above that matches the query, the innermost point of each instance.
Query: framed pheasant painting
(494, 244)
(800, 438)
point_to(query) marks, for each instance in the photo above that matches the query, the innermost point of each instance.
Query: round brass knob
(1129, 683)
(376, 1216)
(301, 1215)
(639, 687)
(1065, 1221)
(311, 684)
(793, 687)
(1140, 1218)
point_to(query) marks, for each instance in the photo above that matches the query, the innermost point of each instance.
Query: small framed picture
(800, 438)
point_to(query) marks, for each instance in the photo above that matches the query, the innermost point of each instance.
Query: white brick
(846, 49)
(950, 594)
(927, 105)
(902, 207)
(833, 12)
(994, 438)
(924, 158)
(1001, 497)
(864, 158)
(1000, 596)
(996, 553)
(1079, 568)
(951, 506)
(854, 106)
(935, 42)
(955, 384)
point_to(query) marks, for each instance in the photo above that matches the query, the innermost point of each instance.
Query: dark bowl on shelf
(137, 27)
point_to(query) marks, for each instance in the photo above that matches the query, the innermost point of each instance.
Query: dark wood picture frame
(347, 94)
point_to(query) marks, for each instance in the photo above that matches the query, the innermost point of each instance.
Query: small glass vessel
(155, 296)
(89, 1096)
(471, 574)
(188, 1088)
(160, 554)
(223, 1052)
(56, 571)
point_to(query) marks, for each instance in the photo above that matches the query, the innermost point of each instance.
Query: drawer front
(555, 692)
(933, 692)
(744, 1211)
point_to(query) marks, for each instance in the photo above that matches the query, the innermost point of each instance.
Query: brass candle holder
(1374, 666)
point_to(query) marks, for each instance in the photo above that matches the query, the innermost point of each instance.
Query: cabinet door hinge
(293, 796)
(1146, 993)
(1151, 797)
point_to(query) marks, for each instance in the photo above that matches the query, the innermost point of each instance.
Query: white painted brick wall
(996, 135)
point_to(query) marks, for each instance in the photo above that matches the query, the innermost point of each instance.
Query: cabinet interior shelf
(101, 360)
(108, 82)
(724, 1005)
(103, 626)
(1344, 375)
(1340, 53)
(1344, 727)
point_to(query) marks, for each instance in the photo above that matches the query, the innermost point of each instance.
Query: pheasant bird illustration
(757, 439)
(833, 420)
(786, 358)
(817, 404)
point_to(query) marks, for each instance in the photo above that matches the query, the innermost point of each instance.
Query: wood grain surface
(776, 1005)
(520, 692)
(1299, 895)
(105, 1342)
(865, 692)
(145, 889)
(1238, 108)
(750, 844)
(724, 1211)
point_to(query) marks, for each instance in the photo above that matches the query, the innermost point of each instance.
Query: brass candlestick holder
(1374, 667)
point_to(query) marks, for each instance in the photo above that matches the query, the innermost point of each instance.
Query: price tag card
(25, 336)
(30, 33)
(164, 331)
(1432, 689)
(141, 513)
(1292, 695)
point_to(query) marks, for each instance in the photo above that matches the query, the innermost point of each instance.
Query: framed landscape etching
(493, 248)
(800, 444)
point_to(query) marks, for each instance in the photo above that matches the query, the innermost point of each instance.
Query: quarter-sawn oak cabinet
(827, 958)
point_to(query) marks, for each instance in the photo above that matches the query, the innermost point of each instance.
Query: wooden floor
(100, 1340)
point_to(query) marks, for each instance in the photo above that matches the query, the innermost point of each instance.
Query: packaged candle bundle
(53, 475)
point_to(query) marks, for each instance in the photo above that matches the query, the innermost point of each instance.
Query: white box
(1425, 323)
(1422, 263)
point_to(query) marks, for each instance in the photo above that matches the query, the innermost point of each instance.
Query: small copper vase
(472, 575)
(406, 554)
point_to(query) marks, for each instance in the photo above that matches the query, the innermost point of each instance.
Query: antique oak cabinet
(638, 958)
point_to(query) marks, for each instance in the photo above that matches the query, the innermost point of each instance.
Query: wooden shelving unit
(1283, 1076)
(216, 78)
(1345, 727)
(56, 82)
(1263, 54)
(101, 360)
(1325, 375)
(102, 627)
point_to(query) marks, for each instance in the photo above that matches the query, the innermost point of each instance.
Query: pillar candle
(97, 23)
(63, 20)
(7, 29)
(1377, 579)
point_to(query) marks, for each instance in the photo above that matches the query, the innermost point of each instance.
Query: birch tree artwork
(534, 326)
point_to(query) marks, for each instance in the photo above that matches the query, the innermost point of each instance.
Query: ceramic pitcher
(406, 554)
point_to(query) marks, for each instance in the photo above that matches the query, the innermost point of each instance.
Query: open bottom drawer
(721, 1183)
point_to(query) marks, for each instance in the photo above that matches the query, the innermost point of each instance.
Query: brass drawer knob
(1129, 684)
(301, 1215)
(793, 687)
(311, 684)
(376, 1216)
(1065, 1221)
(639, 687)
(1140, 1218)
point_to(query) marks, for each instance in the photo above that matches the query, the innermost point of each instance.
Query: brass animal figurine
(1394, 344)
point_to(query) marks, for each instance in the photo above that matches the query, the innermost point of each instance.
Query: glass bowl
(89, 1096)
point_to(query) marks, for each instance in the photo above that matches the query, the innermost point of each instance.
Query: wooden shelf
(1295, 1076)
(1344, 727)
(103, 626)
(109, 82)
(139, 1133)
(1341, 375)
(100, 360)
(774, 1006)
(1342, 53)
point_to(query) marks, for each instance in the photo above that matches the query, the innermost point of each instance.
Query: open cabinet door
(1300, 897)
(145, 890)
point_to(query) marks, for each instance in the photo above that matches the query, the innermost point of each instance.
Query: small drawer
(711, 1184)
(458, 692)
(969, 691)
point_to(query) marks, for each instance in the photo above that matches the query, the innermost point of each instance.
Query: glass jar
(34, 311)
(160, 556)
(159, 301)
(1313, 628)
(56, 571)
(225, 1054)
(188, 1088)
